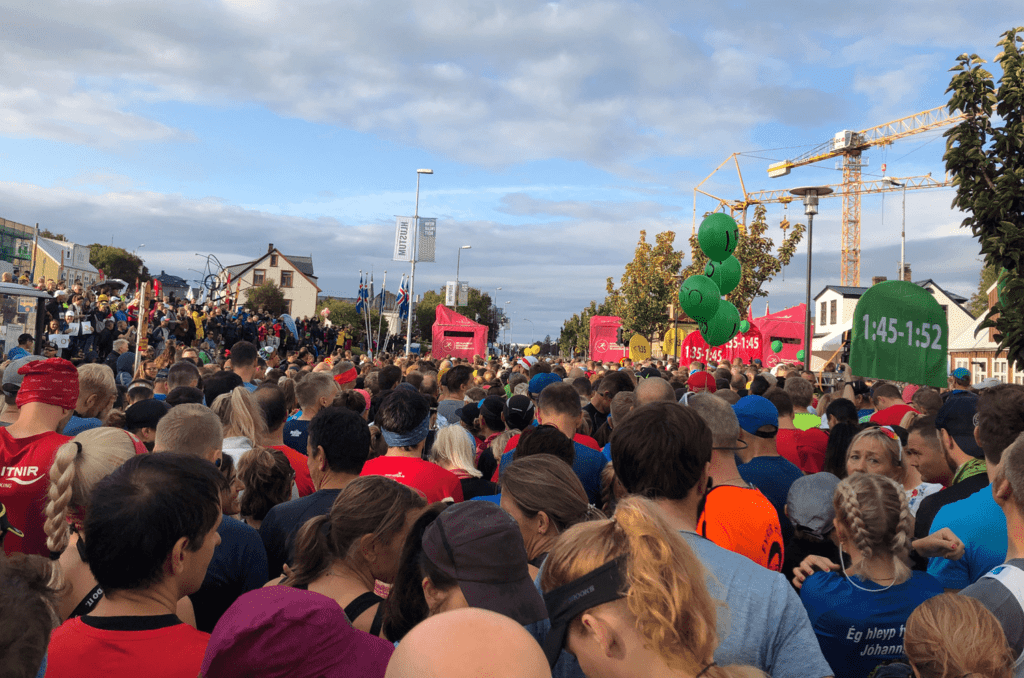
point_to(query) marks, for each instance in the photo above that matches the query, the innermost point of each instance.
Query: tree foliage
(575, 335)
(755, 253)
(979, 301)
(986, 162)
(648, 286)
(45, 233)
(266, 298)
(116, 262)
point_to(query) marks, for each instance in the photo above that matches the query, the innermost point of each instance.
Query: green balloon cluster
(725, 273)
(776, 346)
(800, 354)
(700, 296)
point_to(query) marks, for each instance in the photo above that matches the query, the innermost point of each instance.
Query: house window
(273, 260)
(259, 276)
(288, 306)
(834, 304)
(286, 278)
(822, 317)
(980, 370)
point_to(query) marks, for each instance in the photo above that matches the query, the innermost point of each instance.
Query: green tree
(116, 262)
(759, 262)
(648, 286)
(575, 334)
(979, 301)
(266, 298)
(52, 236)
(986, 163)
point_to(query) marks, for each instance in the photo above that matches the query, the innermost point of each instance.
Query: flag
(369, 294)
(403, 300)
(359, 296)
(190, 295)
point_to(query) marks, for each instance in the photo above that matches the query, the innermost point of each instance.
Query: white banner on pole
(463, 293)
(428, 238)
(449, 293)
(403, 239)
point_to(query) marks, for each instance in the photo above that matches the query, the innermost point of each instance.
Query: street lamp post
(458, 265)
(507, 323)
(532, 327)
(903, 229)
(810, 195)
(415, 253)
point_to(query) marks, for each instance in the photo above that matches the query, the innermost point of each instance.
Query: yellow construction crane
(849, 145)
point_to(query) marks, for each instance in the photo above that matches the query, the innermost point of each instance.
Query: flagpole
(380, 310)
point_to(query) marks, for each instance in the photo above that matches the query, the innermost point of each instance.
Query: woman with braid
(627, 596)
(77, 468)
(860, 612)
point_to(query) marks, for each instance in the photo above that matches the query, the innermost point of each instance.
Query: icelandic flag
(403, 301)
(359, 297)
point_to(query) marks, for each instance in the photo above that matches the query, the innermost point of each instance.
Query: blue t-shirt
(981, 526)
(773, 476)
(859, 629)
(16, 353)
(763, 623)
(249, 386)
(296, 433)
(606, 452)
(78, 424)
(239, 565)
(587, 465)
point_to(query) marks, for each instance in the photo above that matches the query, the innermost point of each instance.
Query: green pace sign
(900, 334)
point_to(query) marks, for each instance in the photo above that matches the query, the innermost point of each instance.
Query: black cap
(145, 414)
(568, 601)
(519, 412)
(957, 416)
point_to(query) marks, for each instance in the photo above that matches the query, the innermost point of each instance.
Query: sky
(557, 131)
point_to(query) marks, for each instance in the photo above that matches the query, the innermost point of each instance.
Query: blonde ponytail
(77, 467)
(665, 584)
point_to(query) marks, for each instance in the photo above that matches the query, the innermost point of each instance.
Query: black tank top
(359, 605)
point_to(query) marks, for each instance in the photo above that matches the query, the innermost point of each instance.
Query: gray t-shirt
(764, 623)
(447, 408)
(1001, 590)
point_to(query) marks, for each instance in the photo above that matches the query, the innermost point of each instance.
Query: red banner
(744, 347)
(602, 339)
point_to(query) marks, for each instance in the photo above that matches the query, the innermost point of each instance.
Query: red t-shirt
(24, 480)
(742, 520)
(430, 479)
(77, 649)
(803, 449)
(303, 481)
(891, 416)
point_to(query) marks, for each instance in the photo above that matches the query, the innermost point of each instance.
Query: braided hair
(875, 514)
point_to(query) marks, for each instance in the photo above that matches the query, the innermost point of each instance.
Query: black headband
(568, 601)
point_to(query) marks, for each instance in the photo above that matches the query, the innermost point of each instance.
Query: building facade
(977, 350)
(60, 260)
(293, 274)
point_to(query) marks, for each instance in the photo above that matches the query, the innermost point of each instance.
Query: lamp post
(810, 195)
(532, 328)
(458, 264)
(507, 322)
(903, 229)
(415, 253)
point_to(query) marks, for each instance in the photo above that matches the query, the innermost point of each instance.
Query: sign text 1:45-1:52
(926, 335)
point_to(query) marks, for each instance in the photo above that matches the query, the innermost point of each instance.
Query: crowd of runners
(256, 502)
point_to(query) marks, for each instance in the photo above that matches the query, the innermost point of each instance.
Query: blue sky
(556, 131)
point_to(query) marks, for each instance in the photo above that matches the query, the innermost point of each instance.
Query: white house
(977, 350)
(293, 274)
(834, 307)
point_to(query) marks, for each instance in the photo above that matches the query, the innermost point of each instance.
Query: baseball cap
(957, 417)
(11, 379)
(701, 380)
(479, 545)
(988, 383)
(753, 412)
(649, 372)
(542, 380)
(280, 631)
(519, 412)
(144, 414)
(468, 413)
(809, 503)
(960, 373)
(491, 409)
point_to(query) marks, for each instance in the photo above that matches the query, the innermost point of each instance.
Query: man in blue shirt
(662, 451)
(978, 521)
(23, 348)
(244, 362)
